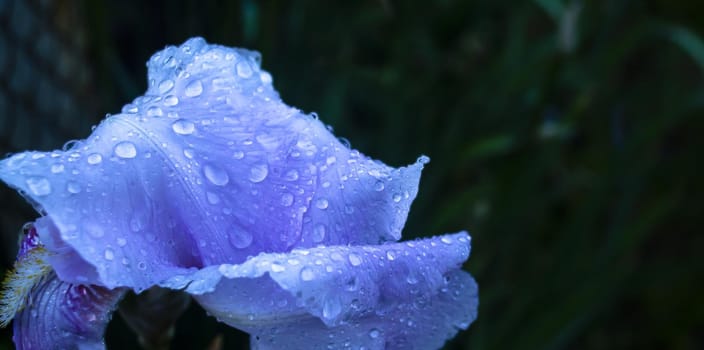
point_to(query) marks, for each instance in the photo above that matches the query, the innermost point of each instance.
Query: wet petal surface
(400, 289)
(65, 316)
(208, 167)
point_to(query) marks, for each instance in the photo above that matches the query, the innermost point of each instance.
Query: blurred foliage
(563, 135)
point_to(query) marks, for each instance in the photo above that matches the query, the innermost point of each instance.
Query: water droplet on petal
(216, 175)
(125, 149)
(188, 153)
(38, 185)
(154, 111)
(331, 308)
(137, 223)
(390, 255)
(165, 86)
(321, 203)
(170, 100)
(57, 168)
(109, 254)
(318, 233)
(291, 175)
(286, 199)
(307, 274)
(396, 198)
(258, 172)
(244, 70)
(277, 268)
(265, 77)
(354, 259)
(241, 239)
(183, 127)
(374, 333)
(238, 155)
(446, 240)
(73, 187)
(423, 160)
(94, 158)
(212, 198)
(121, 242)
(194, 89)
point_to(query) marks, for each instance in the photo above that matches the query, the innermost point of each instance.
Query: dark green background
(564, 135)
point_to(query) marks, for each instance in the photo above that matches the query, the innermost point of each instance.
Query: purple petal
(65, 316)
(209, 167)
(347, 289)
(426, 323)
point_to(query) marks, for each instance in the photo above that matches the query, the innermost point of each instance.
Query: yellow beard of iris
(27, 272)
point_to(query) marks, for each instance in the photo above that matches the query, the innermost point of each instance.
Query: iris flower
(210, 186)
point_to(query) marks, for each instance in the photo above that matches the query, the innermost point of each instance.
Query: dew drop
(244, 70)
(321, 203)
(423, 160)
(121, 242)
(331, 308)
(166, 86)
(194, 89)
(379, 186)
(318, 233)
(396, 198)
(94, 158)
(142, 265)
(391, 255)
(277, 267)
(307, 274)
(188, 153)
(286, 199)
(154, 111)
(38, 185)
(125, 149)
(109, 254)
(183, 127)
(57, 168)
(446, 240)
(216, 175)
(354, 259)
(73, 187)
(136, 223)
(265, 77)
(374, 333)
(291, 175)
(240, 239)
(258, 172)
(170, 100)
(238, 155)
(212, 198)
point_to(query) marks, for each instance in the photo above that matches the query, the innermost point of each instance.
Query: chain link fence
(45, 90)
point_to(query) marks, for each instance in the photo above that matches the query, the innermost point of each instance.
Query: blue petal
(426, 323)
(209, 167)
(65, 316)
(402, 289)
